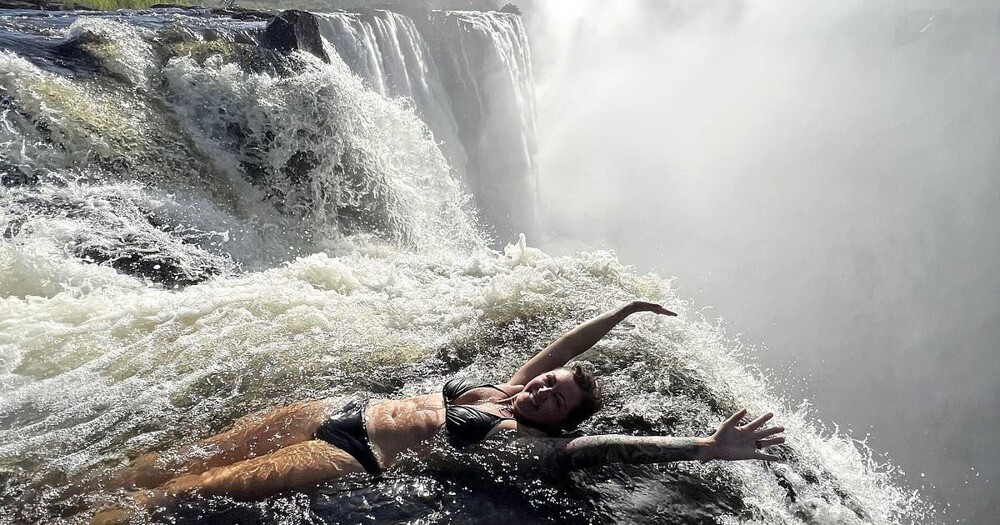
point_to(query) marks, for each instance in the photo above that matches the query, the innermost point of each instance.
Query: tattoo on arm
(601, 450)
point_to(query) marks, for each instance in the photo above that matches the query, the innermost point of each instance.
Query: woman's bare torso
(397, 425)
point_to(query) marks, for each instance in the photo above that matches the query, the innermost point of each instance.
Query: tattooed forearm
(600, 450)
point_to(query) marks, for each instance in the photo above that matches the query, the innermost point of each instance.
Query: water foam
(327, 150)
(92, 380)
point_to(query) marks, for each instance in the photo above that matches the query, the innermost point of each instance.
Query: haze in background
(825, 177)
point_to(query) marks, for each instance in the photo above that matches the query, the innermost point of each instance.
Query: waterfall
(487, 64)
(295, 172)
(471, 81)
(386, 50)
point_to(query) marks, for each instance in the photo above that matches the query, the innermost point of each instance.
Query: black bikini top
(466, 425)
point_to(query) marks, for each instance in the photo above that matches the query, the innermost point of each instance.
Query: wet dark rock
(636, 424)
(300, 166)
(110, 239)
(43, 5)
(293, 29)
(790, 491)
(18, 5)
(13, 176)
(152, 265)
(64, 57)
(72, 55)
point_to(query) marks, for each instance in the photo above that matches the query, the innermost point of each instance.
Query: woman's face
(548, 398)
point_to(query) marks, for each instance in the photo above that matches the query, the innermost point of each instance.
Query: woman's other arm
(579, 340)
(730, 442)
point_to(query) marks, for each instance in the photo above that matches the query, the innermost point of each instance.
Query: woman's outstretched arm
(579, 340)
(730, 442)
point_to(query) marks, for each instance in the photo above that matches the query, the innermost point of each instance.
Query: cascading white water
(471, 82)
(388, 52)
(327, 150)
(486, 60)
(349, 266)
(356, 163)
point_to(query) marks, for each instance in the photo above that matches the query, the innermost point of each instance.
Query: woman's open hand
(733, 442)
(643, 306)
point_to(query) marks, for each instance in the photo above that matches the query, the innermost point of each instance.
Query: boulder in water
(33, 4)
(293, 29)
(18, 5)
(44, 5)
(150, 263)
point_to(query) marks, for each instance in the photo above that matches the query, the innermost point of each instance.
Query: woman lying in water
(310, 442)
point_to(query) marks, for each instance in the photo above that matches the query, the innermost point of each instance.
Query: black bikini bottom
(347, 432)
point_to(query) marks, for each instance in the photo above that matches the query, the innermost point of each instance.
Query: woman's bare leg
(250, 436)
(295, 467)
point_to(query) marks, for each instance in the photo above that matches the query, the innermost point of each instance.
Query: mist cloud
(824, 175)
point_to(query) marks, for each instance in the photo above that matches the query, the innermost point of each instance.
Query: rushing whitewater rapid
(196, 228)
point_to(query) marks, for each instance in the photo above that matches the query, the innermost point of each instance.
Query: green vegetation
(113, 5)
